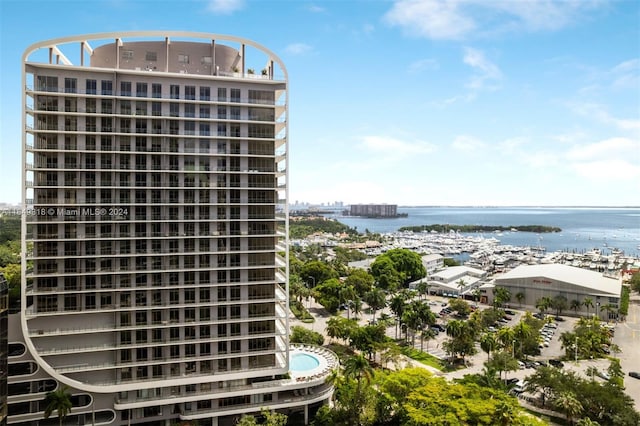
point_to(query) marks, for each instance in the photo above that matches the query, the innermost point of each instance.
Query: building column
(306, 414)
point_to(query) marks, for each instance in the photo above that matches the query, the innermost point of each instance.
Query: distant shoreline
(538, 229)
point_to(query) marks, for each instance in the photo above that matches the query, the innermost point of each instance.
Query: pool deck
(327, 361)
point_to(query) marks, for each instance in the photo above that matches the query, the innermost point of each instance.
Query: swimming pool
(303, 362)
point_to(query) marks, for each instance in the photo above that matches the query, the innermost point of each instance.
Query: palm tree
(397, 305)
(376, 299)
(543, 304)
(569, 405)
(412, 320)
(390, 353)
(461, 285)
(522, 332)
(587, 302)
(575, 305)
(609, 307)
(488, 344)
(520, 296)
(426, 319)
(501, 295)
(423, 288)
(60, 401)
(337, 327)
(455, 328)
(356, 307)
(358, 368)
(506, 336)
(559, 303)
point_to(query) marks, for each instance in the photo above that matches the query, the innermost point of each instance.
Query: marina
(603, 240)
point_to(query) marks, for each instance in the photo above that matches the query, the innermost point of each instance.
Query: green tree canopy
(301, 334)
(406, 263)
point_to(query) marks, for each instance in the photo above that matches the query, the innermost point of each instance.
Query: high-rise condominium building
(155, 281)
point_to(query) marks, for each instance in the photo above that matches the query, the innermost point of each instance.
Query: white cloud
(316, 9)
(626, 75)
(396, 147)
(570, 137)
(368, 29)
(512, 145)
(598, 112)
(430, 18)
(467, 144)
(607, 170)
(611, 149)
(458, 19)
(225, 7)
(488, 73)
(297, 48)
(423, 65)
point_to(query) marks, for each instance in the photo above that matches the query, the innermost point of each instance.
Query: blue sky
(411, 102)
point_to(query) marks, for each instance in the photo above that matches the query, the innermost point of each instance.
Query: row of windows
(50, 84)
(141, 108)
(200, 367)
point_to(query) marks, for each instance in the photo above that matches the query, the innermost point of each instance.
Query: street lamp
(575, 352)
(513, 349)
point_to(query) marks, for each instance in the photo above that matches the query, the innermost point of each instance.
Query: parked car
(634, 374)
(439, 327)
(556, 363)
(509, 312)
(512, 381)
(602, 374)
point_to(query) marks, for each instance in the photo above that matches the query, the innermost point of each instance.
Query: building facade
(155, 178)
(4, 348)
(374, 210)
(527, 284)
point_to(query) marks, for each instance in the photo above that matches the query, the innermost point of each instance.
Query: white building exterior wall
(156, 180)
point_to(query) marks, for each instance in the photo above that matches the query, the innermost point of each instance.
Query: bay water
(583, 229)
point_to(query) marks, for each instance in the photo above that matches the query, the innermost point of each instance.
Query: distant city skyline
(409, 102)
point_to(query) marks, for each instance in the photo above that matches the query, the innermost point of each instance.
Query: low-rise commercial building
(595, 292)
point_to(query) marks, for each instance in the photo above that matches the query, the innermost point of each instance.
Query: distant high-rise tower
(155, 179)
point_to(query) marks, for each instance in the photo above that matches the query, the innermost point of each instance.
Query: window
(70, 85)
(205, 93)
(190, 92)
(183, 59)
(47, 83)
(127, 54)
(156, 90)
(125, 88)
(91, 87)
(206, 60)
(175, 91)
(106, 87)
(141, 90)
(151, 56)
(235, 95)
(222, 94)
